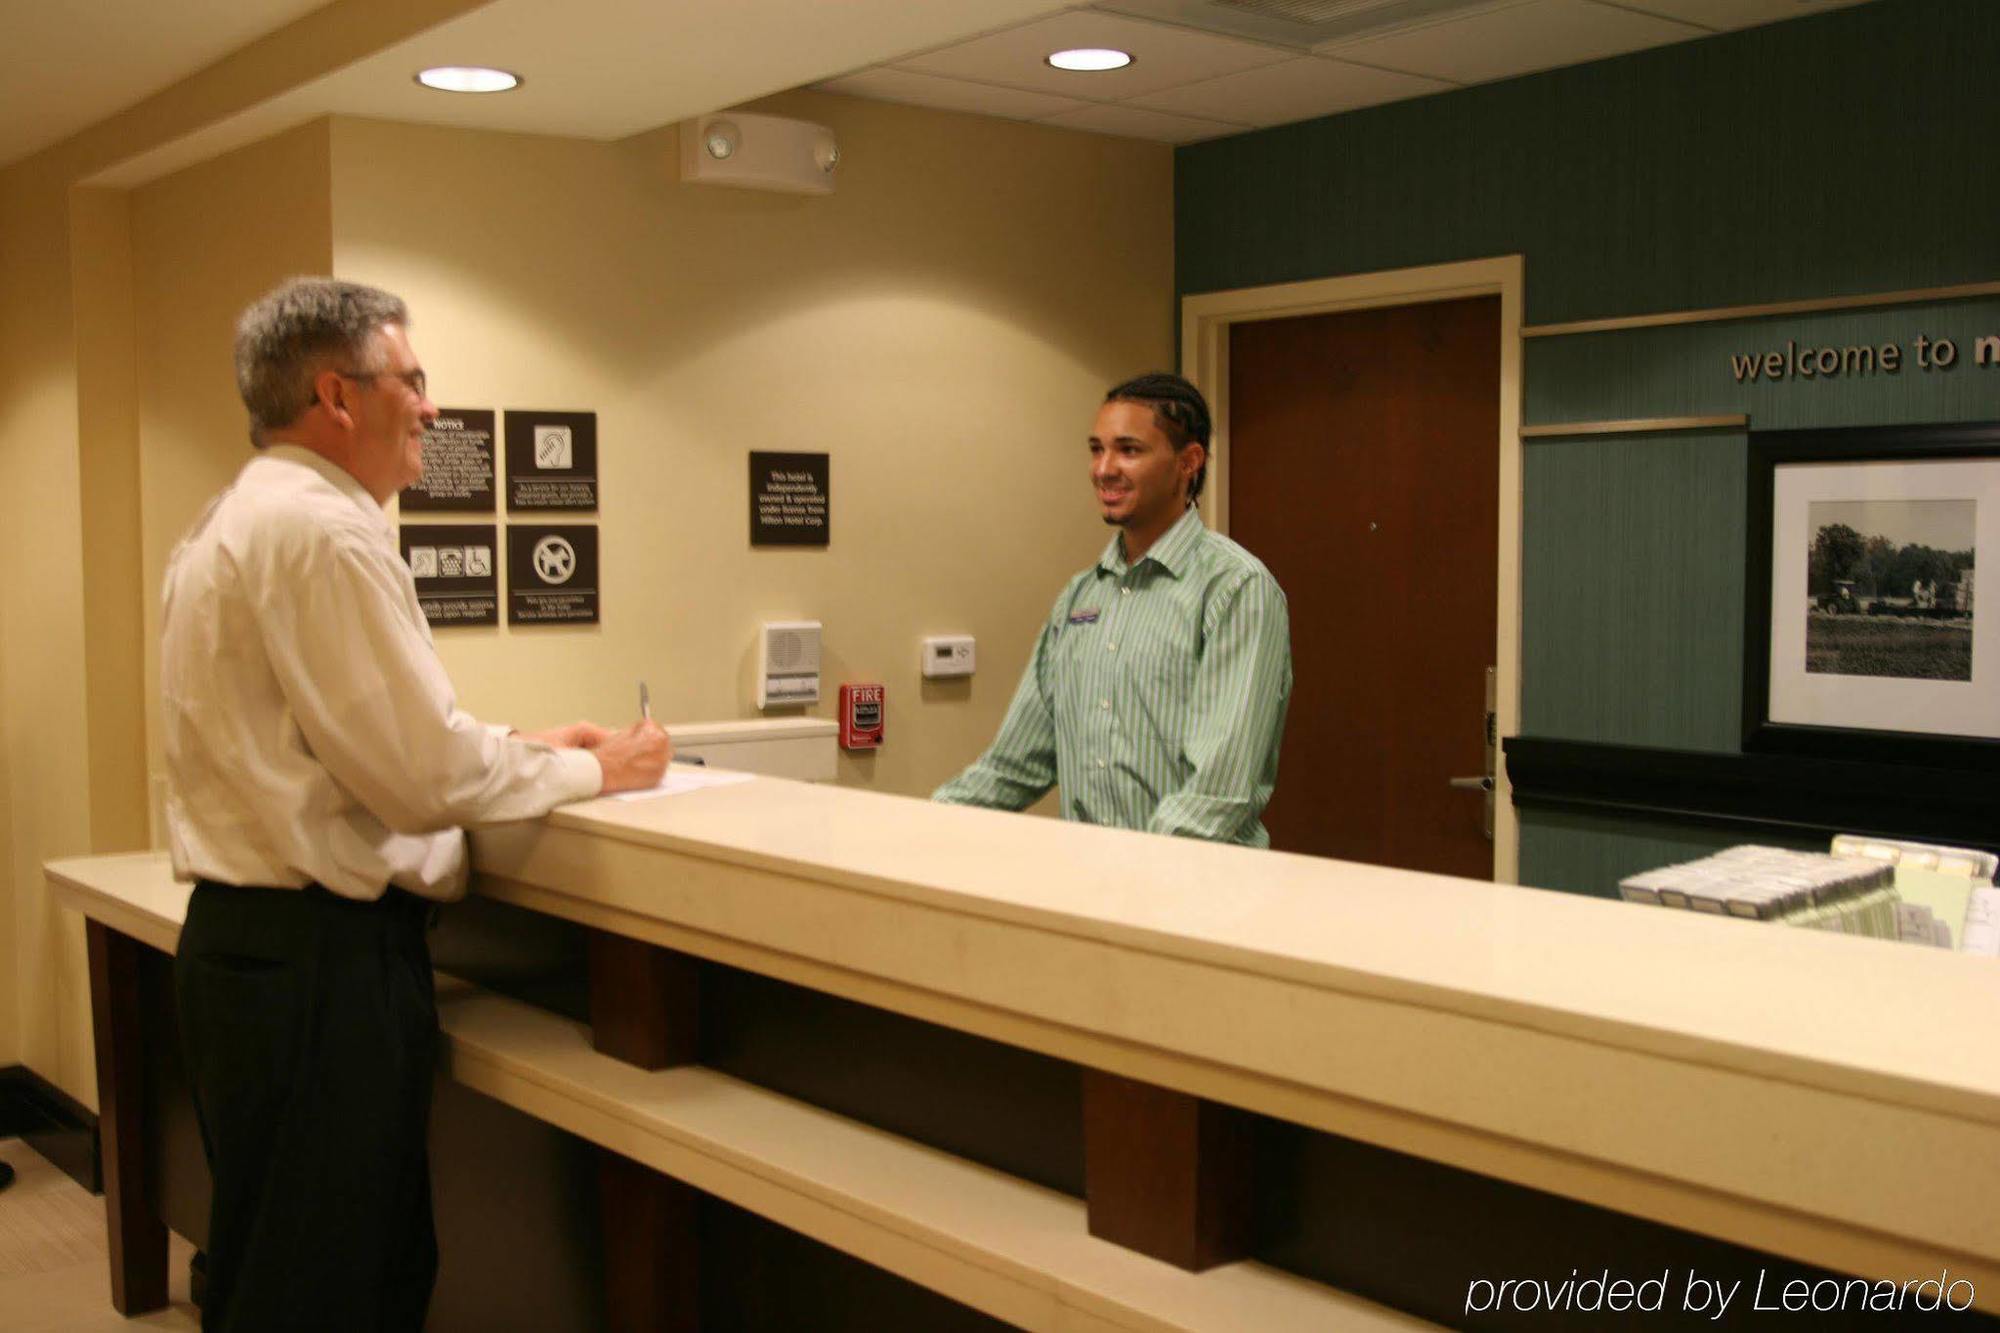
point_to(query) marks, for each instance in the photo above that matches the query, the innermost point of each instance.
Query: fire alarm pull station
(860, 717)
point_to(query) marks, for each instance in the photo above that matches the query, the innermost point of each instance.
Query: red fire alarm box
(860, 717)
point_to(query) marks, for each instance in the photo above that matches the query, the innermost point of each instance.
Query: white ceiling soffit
(604, 69)
(1205, 68)
(68, 65)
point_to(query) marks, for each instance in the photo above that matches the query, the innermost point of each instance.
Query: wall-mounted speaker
(788, 663)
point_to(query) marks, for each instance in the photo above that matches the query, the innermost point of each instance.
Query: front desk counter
(785, 1056)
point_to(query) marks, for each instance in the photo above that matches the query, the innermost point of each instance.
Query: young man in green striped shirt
(1156, 696)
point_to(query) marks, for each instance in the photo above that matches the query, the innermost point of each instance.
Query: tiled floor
(54, 1277)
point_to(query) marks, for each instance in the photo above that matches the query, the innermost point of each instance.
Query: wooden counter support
(645, 1002)
(651, 1248)
(137, 1238)
(1166, 1173)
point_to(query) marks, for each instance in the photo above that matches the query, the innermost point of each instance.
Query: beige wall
(942, 325)
(70, 696)
(108, 453)
(117, 417)
(44, 723)
(10, 1001)
(206, 242)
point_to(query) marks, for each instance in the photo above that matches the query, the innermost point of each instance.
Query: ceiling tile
(1296, 90)
(1163, 56)
(984, 99)
(595, 69)
(1133, 122)
(1723, 15)
(1514, 39)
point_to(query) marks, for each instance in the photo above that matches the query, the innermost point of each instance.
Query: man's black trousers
(309, 1024)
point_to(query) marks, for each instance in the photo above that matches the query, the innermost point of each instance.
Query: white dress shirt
(311, 733)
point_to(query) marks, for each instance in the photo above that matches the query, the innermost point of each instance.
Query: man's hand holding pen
(632, 759)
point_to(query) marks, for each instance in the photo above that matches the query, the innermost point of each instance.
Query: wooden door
(1364, 470)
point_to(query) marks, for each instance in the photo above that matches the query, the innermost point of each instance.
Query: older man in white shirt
(319, 770)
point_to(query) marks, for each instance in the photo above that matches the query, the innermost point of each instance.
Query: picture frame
(1863, 637)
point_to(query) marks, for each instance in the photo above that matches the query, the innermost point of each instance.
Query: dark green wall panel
(1632, 590)
(1844, 152)
(1686, 370)
(1836, 154)
(1590, 853)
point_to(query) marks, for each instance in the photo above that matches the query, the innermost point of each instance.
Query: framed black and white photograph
(1863, 637)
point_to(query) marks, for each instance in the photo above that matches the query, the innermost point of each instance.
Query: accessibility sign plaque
(551, 460)
(456, 575)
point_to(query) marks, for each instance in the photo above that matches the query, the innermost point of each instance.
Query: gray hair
(300, 328)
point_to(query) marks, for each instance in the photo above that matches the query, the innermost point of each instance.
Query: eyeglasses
(414, 379)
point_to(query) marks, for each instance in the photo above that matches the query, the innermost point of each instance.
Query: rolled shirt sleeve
(309, 731)
(1243, 687)
(372, 700)
(1020, 766)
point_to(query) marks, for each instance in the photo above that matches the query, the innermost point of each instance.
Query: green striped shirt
(1156, 696)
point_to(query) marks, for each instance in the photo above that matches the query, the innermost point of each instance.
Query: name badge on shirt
(1084, 617)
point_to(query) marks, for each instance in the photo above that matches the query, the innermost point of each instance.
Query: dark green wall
(1591, 853)
(1632, 590)
(1843, 153)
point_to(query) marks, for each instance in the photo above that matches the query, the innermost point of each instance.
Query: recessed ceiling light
(468, 79)
(1090, 59)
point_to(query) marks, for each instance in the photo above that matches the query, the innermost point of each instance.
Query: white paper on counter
(1982, 923)
(683, 778)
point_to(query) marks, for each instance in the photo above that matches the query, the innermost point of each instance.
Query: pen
(645, 702)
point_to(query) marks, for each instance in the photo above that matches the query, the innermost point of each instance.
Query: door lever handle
(1481, 783)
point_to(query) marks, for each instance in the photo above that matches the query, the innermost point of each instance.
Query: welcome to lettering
(1856, 359)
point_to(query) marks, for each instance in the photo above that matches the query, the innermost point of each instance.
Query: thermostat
(947, 655)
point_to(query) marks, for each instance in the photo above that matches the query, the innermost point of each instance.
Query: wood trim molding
(1205, 321)
(1913, 296)
(1634, 426)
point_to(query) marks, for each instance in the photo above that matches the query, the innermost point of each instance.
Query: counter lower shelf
(1011, 1249)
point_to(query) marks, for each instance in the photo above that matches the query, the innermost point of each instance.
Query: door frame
(1205, 321)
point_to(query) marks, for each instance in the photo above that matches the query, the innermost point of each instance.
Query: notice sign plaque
(789, 499)
(552, 460)
(457, 577)
(458, 464)
(551, 574)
